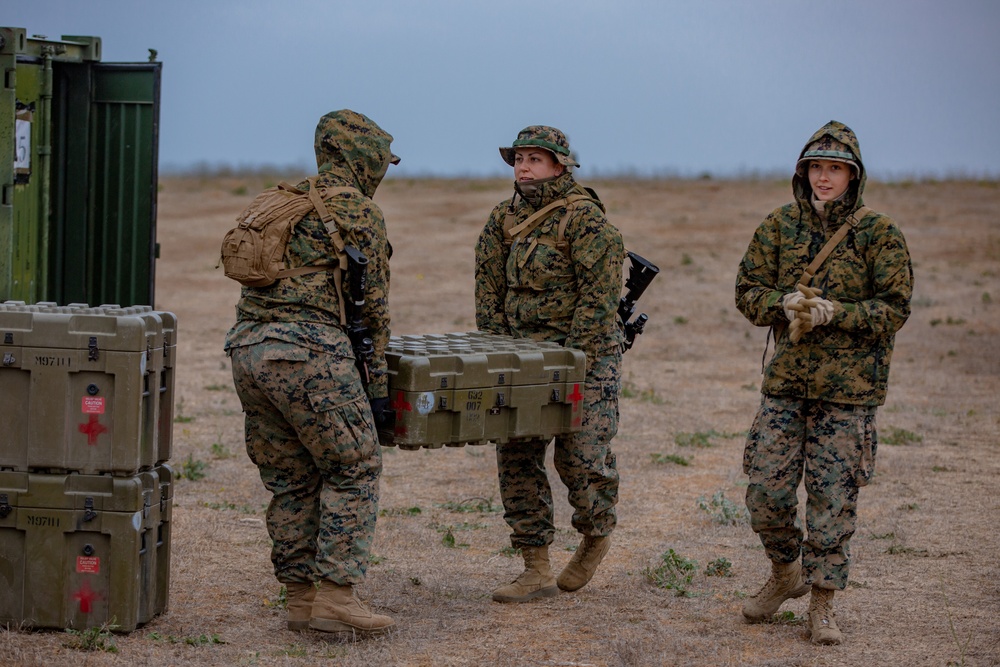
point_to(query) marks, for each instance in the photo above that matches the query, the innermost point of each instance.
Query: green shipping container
(78, 200)
(82, 551)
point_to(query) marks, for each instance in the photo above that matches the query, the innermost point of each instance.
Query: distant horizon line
(207, 170)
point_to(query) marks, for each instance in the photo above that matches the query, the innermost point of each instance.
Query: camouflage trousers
(833, 446)
(583, 460)
(309, 430)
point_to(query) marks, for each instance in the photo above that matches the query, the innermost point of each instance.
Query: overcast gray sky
(676, 87)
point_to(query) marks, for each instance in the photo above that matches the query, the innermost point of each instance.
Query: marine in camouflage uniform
(564, 286)
(308, 422)
(820, 394)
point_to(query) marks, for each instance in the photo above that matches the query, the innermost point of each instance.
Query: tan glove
(821, 311)
(789, 303)
(803, 308)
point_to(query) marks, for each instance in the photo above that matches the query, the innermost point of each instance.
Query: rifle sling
(853, 220)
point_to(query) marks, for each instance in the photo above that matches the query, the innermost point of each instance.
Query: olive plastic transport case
(472, 388)
(87, 390)
(84, 551)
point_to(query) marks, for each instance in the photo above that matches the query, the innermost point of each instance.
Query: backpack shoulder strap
(318, 200)
(532, 221)
(319, 196)
(528, 224)
(329, 220)
(285, 185)
(560, 242)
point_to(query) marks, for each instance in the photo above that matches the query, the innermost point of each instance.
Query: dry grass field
(925, 586)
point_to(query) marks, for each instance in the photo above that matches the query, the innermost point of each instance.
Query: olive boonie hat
(545, 137)
(827, 148)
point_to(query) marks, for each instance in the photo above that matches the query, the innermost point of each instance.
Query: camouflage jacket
(536, 290)
(351, 151)
(869, 276)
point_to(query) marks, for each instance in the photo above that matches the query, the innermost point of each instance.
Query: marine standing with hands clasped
(549, 268)
(833, 280)
(308, 420)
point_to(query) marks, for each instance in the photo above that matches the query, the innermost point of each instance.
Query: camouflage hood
(353, 147)
(844, 135)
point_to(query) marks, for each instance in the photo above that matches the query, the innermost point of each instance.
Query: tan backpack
(253, 251)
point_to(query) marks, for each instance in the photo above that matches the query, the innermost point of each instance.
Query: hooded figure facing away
(834, 327)
(309, 421)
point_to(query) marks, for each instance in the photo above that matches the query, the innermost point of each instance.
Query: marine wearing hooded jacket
(537, 290)
(868, 276)
(351, 150)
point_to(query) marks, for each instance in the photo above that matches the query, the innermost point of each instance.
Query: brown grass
(924, 585)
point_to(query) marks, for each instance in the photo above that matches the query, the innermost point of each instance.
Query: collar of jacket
(548, 192)
(836, 214)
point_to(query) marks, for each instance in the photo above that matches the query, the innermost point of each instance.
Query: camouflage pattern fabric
(828, 148)
(543, 136)
(351, 150)
(835, 445)
(538, 291)
(309, 430)
(584, 461)
(308, 422)
(820, 394)
(535, 290)
(869, 275)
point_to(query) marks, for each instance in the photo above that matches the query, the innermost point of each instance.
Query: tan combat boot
(336, 609)
(822, 625)
(785, 583)
(298, 603)
(581, 568)
(535, 582)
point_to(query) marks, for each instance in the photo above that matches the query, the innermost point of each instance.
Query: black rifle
(641, 273)
(357, 331)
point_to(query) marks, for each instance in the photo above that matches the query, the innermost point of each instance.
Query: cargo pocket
(867, 444)
(344, 426)
(596, 392)
(750, 449)
(609, 391)
(276, 350)
(600, 410)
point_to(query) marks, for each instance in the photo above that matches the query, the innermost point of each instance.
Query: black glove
(380, 410)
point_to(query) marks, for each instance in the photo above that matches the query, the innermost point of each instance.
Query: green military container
(158, 600)
(84, 551)
(165, 409)
(88, 389)
(78, 199)
(474, 388)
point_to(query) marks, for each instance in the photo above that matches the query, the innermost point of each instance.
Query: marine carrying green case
(82, 551)
(473, 388)
(86, 390)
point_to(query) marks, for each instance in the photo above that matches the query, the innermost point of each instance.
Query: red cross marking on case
(575, 399)
(86, 596)
(400, 406)
(92, 429)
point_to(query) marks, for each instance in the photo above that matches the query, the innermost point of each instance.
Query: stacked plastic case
(85, 486)
(476, 388)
